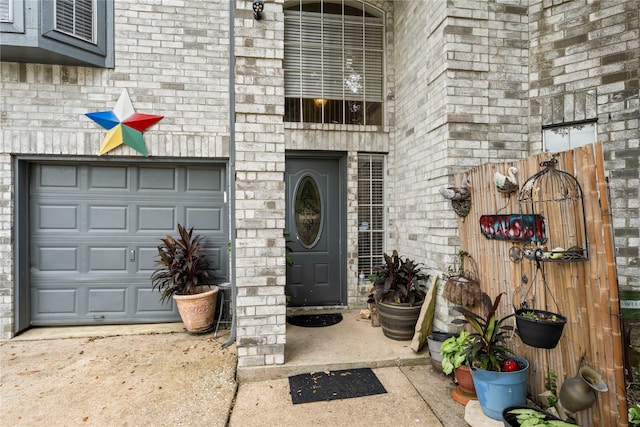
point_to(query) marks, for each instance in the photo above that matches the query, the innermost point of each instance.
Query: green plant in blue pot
(499, 376)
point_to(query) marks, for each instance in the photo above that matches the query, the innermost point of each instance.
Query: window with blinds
(333, 63)
(76, 18)
(371, 229)
(6, 12)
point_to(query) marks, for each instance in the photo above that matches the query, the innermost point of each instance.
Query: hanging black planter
(539, 328)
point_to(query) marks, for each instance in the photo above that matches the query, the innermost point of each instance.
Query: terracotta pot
(197, 310)
(398, 321)
(464, 379)
(466, 390)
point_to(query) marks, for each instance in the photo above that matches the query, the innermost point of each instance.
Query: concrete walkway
(416, 395)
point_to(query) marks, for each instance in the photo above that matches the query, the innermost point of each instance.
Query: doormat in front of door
(315, 320)
(334, 385)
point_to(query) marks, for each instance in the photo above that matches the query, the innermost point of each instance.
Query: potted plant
(519, 416)
(462, 286)
(181, 271)
(398, 293)
(539, 328)
(500, 378)
(434, 342)
(454, 359)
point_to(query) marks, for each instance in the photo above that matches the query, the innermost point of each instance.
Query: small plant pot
(540, 333)
(466, 390)
(434, 341)
(511, 420)
(465, 380)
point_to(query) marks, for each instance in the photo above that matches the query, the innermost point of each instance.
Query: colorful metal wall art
(519, 227)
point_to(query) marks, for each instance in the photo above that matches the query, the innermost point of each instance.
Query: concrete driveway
(139, 379)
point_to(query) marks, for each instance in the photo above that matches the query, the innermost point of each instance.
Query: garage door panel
(108, 178)
(199, 179)
(51, 217)
(107, 301)
(205, 219)
(148, 302)
(58, 176)
(146, 259)
(108, 259)
(55, 301)
(94, 232)
(57, 259)
(213, 255)
(156, 217)
(107, 218)
(157, 179)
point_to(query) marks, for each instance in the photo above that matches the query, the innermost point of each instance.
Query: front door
(315, 223)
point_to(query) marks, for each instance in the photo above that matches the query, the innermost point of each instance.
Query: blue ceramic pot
(499, 390)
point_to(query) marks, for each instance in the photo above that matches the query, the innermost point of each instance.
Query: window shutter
(76, 18)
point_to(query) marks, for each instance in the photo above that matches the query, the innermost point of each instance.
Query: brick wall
(260, 191)
(462, 99)
(585, 57)
(178, 68)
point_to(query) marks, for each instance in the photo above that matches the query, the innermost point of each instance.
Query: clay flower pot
(197, 310)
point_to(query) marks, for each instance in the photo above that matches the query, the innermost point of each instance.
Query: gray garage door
(94, 229)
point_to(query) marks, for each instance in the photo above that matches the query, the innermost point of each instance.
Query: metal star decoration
(124, 125)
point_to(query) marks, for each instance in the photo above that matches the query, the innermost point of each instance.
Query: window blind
(5, 11)
(332, 56)
(76, 18)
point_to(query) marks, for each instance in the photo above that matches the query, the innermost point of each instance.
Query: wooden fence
(586, 292)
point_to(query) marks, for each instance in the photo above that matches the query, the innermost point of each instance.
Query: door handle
(132, 255)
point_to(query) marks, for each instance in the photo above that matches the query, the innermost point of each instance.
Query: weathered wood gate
(586, 292)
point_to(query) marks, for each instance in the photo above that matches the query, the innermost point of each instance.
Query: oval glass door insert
(308, 211)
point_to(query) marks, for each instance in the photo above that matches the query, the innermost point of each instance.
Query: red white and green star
(124, 125)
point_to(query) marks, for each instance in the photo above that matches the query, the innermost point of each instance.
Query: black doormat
(345, 384)
(315, 320)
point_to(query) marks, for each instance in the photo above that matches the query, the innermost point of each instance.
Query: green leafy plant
(634, 414)
(454, 352)
(180, 266)
(528, 417)
(539, 315)
(487, 349)
(550, 383)
(398, 280)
